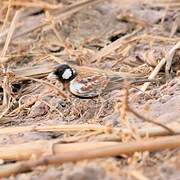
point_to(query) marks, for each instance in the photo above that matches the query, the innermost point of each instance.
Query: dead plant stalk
(168, 60)
(154, 131)
(126, 108)
(3, 53)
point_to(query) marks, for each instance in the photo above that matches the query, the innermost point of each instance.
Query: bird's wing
(88, 85)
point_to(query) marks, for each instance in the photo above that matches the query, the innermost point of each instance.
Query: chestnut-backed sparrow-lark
(88, 82)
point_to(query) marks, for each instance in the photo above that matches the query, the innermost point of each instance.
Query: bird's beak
(51, 76)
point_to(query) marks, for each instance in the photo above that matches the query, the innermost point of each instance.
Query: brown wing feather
(93, 83)
(88, 85)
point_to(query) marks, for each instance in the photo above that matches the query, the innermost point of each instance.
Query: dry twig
(46, 83)
(124, 106)
(169, 58)
(127, 108)
(3, 53)
(53, 128)
(39, 4)
(154, 131)
(9, 36)
(115, 45)
(156, 70)
(145, 119)
(7, 15)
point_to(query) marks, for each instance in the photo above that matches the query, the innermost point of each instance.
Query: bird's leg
(65, 86)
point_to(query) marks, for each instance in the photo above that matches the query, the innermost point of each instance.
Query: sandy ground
(80, 37)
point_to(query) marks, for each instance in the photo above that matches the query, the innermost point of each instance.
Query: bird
(91, 82)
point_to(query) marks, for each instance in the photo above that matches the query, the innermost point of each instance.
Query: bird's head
(65, 73)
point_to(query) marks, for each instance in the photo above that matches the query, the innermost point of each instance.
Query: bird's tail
(118, 82)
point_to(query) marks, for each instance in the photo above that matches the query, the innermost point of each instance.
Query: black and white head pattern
(65, 73)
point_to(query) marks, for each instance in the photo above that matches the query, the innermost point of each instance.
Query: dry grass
(46, 125)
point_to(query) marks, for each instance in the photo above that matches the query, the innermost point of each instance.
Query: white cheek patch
(67, 74)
